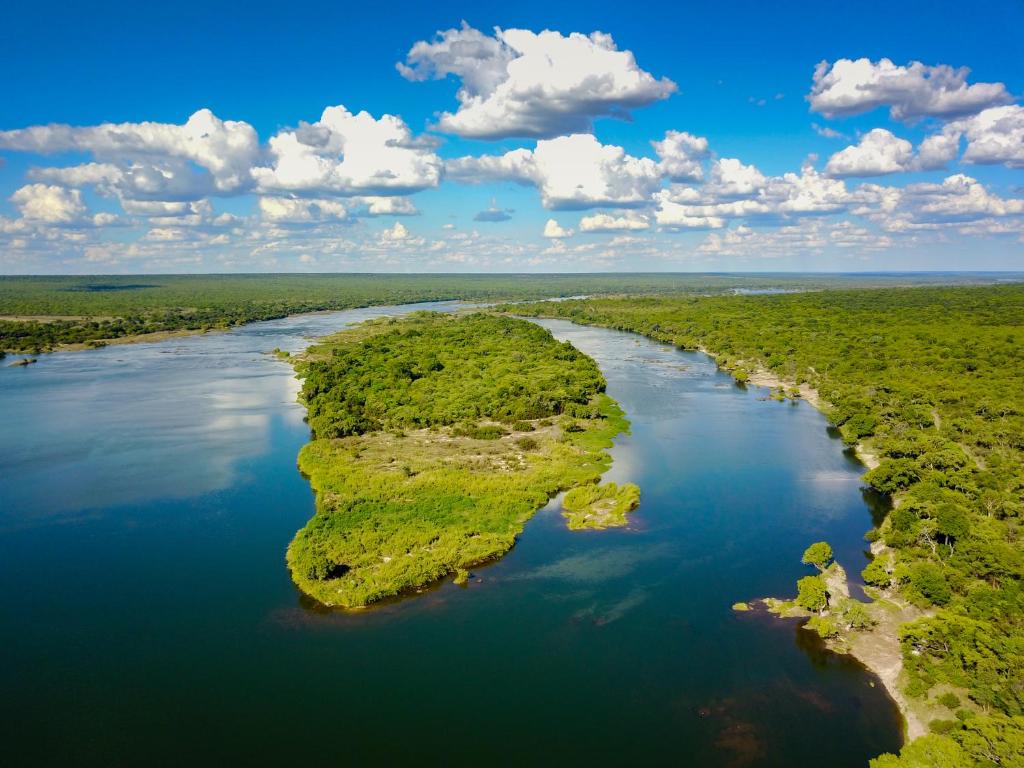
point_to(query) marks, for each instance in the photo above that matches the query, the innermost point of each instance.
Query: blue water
(148, 492)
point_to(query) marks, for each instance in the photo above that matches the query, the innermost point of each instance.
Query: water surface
(148, 492)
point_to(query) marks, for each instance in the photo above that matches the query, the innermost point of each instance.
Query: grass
(600, 506)
(395, 513)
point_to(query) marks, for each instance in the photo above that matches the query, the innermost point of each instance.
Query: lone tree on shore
(819, 555)
(812, 594)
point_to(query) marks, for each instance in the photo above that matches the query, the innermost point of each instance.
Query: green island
(44, 313)
(436, 437)
(600, 506)
(925, 384)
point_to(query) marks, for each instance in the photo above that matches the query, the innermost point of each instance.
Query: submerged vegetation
(927, 380)
(435, 439)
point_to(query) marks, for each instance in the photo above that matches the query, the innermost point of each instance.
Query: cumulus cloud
(50, 204)
(790, 195)
(290, 210)
(994, 136)
(554, 230)
(602, 222)
(732, 179)
(682, 155)
(540, 85)
(808, 237)
(395, 234)
(851, 87)
(571, 172)
(349, 154)
(880, 152)
(494, 214)
(224, 149)
(957, 198)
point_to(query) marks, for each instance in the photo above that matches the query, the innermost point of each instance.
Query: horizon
(532, 140)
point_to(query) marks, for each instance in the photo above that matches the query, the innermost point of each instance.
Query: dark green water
(147, 494)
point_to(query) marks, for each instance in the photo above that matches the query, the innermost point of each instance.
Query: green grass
(600, 506)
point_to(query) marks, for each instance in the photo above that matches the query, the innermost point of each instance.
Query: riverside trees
(927, 380)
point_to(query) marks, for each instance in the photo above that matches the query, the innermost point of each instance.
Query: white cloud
(553, 229)
(732, 179)
(682, 155)
(878, 153)
(397, 233)
(808, 237)
(572, 173)
(347, 154)
(384, 206)
(49, 204)
(959, 198)
(850, 87)
(226, 149)
(602, 222)
(828, 133)
(521, 83)
(289, 210)
(995, 136)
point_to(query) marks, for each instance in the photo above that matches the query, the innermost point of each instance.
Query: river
(148, 492)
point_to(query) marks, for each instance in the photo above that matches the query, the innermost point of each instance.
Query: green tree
(812, 594)
(819, 555)
(932, 751)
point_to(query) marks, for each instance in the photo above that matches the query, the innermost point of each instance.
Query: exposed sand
(761, 377)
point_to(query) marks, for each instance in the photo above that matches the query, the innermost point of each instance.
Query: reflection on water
(128, 424)
(148, 494)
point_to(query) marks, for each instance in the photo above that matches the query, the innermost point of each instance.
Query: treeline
(84, 309)
(929, 380)
(436, 438)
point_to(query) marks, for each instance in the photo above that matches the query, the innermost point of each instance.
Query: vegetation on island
(436, 438)
(928, 381)
(42, 313)
(600, 506)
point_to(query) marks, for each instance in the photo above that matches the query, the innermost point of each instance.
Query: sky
(497, 137)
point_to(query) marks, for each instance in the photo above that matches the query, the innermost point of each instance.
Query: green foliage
(878, 573)
(928, 580)
(403, 499)
(441, 370)
(818, 554)
(826, 626)
(79, 310)
(931, 751)
(600, 506)
(929, 380)
(811, 593)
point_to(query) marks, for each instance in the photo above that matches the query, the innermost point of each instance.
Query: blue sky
(890, 157)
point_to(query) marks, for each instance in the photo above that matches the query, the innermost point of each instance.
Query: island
(435, 438)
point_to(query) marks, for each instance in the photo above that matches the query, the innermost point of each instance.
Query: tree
(931, 751)
(877, 573)
(811, 593)
(819, 555)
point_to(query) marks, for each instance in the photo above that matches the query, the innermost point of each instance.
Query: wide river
(148, 492)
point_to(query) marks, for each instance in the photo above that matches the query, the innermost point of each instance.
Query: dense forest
(929, 381)
(435, 438)
(38, 314)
